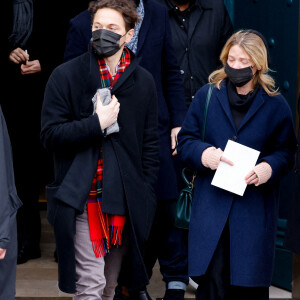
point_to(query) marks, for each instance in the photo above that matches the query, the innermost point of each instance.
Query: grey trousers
(96, 277)
(8, 265)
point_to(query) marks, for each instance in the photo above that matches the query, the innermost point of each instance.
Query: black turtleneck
(239, 104)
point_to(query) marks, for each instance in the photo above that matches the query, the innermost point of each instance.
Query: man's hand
(18, 55)
(107, 114)
(2, 253)
(31, 67)
(174, 142)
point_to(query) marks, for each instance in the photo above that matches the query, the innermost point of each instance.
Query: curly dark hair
(126, 7)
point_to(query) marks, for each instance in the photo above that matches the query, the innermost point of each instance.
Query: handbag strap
(205, 110)
(211, 86)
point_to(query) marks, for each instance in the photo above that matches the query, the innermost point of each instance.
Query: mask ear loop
(121, 37)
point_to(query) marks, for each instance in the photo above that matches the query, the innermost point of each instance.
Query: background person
(25, 87)
(232, 238)
(9, 204)
(200, 29)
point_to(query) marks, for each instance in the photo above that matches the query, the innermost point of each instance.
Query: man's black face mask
(106, 43)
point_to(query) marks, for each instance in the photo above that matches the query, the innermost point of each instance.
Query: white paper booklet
(232, 178)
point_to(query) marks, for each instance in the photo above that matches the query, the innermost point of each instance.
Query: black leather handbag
(185, 199)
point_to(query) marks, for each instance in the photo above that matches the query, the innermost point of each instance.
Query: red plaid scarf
(105, 230)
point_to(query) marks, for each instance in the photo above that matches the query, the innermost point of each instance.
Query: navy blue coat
(10, 201)
(268, 128)
(158, 57)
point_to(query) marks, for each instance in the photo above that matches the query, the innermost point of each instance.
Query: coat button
(234, 138)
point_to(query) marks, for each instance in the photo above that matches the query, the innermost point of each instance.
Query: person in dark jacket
(152, 39)
(231, 237)
(25, 85)
(10, 203)
(99, 119)
(200, 29)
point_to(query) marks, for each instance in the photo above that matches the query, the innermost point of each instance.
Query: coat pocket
(52, 203)
(15, 202)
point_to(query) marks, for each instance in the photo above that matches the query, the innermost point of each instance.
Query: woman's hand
(251, 178)
(18, 55)
(211, 158)
(260, 174)
(107, 114)
(174, 141)
(2, 253)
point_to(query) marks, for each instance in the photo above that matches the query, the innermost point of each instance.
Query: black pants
(167, 244)
(215, 284)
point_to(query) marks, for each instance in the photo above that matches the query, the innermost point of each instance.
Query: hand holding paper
(232, 178)
(211, 158)
(251, 178)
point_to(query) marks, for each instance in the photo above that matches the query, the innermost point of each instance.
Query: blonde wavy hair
(254, 46)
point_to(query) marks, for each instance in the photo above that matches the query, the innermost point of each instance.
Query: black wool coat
(130, 158)
(158, 57)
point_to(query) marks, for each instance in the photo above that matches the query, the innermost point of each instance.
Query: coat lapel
(126, 80)
(92, 84)
(195, 18)
(145, 26)
(223, 99)
(256, 105)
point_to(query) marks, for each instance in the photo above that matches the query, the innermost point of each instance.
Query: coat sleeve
(150, 154)
(77, 36)
(172, 81)
(282, 158)
(4, 191)
(190, 144)
(60, 130)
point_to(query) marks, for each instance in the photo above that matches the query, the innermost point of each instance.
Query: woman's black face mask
(105, 42)
(239, 77)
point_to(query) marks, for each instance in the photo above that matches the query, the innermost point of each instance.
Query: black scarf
(239, 104)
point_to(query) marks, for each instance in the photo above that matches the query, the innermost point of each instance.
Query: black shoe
(140, 295)
(25, 253)
(174, 294)
(119, 295)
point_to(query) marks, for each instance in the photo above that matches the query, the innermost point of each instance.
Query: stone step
(37, 279)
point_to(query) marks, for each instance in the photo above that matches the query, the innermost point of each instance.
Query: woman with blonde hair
(231, 237)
